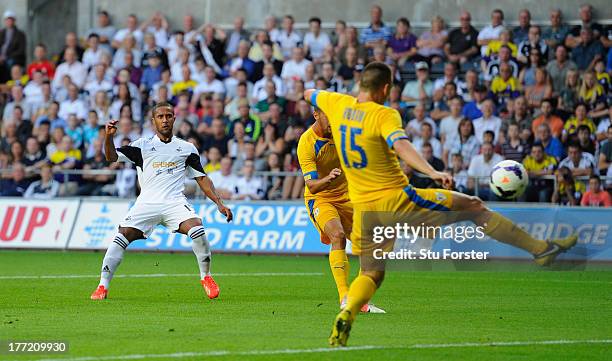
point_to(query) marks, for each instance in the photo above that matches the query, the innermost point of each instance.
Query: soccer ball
(508, 179)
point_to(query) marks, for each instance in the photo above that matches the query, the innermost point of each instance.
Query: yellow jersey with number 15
(364, 134)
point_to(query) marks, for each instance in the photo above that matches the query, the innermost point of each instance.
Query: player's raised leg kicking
(327, 201)
(162, 162)
(370, 137)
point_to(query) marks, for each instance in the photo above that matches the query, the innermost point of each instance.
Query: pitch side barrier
(271, 227)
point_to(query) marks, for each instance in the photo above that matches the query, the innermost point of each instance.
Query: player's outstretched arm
(207, 186)
(109, 146)
(317, 185)
(406, 151)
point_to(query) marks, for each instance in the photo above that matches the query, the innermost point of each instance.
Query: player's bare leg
(113, 257)
(504, 230)
(201, 248)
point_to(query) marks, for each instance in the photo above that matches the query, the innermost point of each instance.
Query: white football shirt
(162, 167)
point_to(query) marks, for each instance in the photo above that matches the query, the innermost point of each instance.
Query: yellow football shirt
(364, 133)
(317, 157)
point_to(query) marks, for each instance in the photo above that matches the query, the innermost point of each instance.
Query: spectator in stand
(462, 45)
(18, 100)
(540, 90)
(351, 40)
(41, 63)
(71, 41)
(427, 137)
(568, 95)
(605, 156)
(514, 148)
(521, 32)
(34, 156)
(267, 57)
(377, 33)
(93, 55)
(552, 145)
(427, 152)
(505, 39)
(585, 140)
(431, 42)
(491, 32)
(269, 75)
(66, 157)
(238, 34)
(488, 121)
(46, 187)
(480, 170)
(315, 41)
(158, 26)
(75, 131)
(151, 49)
(251, 124)
(580, 118)
(241, 61)
(505, 86)
(24, 126)
(17, 185)
(73, 105)
(593, 95)
(491, 68)
(578, 162)
(587, 22)
(534, 41)
(567, 190)
(464, 142)
(71, 67)
(419, 90)
(538, 164)
(130, 29)
(450, 75)
(472, 109)
(218, 138)
(558, 68)
(413, 127)
(224, 179)
(449, 125)
(105, 30)
(402, 45)
(587, 51)
(295, 68)
(547, 117)
(556, 33)
(595, 196)
(288, 37)
(12, 46)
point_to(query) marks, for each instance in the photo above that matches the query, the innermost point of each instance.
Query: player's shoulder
(179, 142)
(139, 142)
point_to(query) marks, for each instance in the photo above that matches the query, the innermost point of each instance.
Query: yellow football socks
(503, 230)
(340, 267)
(361, 291)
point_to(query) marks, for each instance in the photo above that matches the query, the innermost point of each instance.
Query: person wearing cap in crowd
(12, 46)
(420, 89)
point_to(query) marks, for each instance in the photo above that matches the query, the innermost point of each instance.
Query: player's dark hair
(375, 76)
(160, 105)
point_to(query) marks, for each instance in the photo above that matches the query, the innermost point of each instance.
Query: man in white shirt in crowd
(99, 83)
(315, 41)
(426, 136)
(93, 54)
(488, 121)
(71, 67)
(158, 26)
(491, 32)
(450, 75)
(449, 125)
(104, 30)
(73, 105)
(18, 99)
(414, 126)
(131, 29)
(210, 84)
(481, 166)
(249, 186)
(295, 68)
(288, 38)
(259, 88)
(224, 179)
(579, 162)
(420, 89)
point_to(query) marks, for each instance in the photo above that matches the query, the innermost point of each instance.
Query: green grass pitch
(431, 315)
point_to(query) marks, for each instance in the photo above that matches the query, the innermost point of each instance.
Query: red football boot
(210, 286)
(101, 293)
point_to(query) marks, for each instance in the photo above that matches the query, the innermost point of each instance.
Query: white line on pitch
(155, 275)
(327, 350)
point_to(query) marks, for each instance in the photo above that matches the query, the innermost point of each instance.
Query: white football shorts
(145, 216)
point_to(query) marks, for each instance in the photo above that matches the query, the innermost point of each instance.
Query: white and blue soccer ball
(509, 179)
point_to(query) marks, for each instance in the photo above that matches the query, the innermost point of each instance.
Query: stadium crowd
(469, 98)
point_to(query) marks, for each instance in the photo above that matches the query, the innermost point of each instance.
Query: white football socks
(201, 248)
(112, 259)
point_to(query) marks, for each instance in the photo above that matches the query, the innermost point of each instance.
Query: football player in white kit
(162, 162)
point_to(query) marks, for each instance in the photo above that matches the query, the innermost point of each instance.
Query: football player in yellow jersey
(369, 138)
(327, 201)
